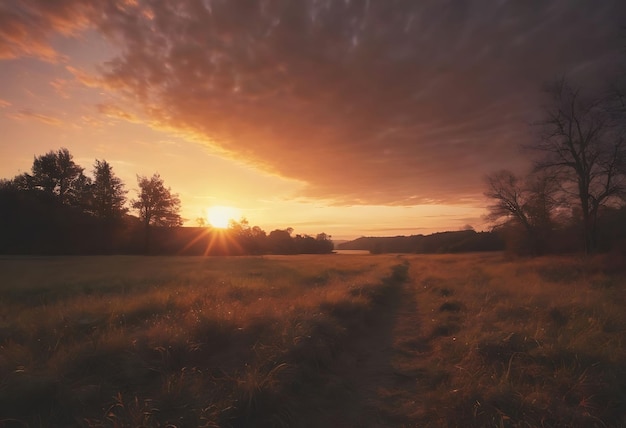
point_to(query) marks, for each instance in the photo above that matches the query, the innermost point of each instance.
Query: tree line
(573, 197)
(57, 209)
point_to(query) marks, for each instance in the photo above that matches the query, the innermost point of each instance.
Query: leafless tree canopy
(528, 202)
(582, 145)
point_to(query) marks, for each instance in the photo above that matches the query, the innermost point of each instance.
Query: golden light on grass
(219, 216)
(488, 340)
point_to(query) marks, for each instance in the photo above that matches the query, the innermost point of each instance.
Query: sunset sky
(352, 118)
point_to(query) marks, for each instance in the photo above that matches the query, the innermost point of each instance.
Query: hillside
(436, 243)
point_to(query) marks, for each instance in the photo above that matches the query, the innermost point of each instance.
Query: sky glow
(345, 117)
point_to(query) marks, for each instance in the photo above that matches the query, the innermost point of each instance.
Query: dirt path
(382, 366)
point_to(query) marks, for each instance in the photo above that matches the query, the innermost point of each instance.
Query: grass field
(312, 341)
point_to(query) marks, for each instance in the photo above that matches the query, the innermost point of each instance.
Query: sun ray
(218, 242)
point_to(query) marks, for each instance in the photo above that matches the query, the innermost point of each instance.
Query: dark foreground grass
(312, 341)
(130, 341)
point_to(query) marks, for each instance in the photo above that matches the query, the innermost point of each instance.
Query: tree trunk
(146, 248)
(586, 220)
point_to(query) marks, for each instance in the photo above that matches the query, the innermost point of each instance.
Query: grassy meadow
(339, 340)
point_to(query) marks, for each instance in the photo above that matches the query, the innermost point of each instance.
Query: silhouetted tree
(527, 202)
(247, 238)
(324, 243)
(6, 184)
(258, 233)
(21, 182)
(280, 241)
(156, 204)
(583, 146)
(239, 228)
(57, 173)
(257, 241)
(107, 193)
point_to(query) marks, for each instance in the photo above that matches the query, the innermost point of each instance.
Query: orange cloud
(116, 112)
(91, 121)
(84, 77)
(26, 26)
(60, 86)
(28, 114)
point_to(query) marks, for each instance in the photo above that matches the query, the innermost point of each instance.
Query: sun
(220, 216)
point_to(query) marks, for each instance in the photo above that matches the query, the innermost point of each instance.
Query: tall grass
(521, 343)
(335, 340)
(129, 341)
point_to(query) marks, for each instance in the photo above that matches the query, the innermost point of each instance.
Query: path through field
(382, 370)
(382, 365)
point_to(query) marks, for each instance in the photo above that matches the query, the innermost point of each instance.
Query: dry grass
(520, 343)
(335, 340)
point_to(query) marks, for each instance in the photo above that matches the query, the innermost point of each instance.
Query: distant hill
(337, 242)
(442, 242)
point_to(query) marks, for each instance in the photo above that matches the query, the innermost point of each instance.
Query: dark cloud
(374, 102)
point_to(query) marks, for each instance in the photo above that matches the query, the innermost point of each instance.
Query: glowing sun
(220, 216)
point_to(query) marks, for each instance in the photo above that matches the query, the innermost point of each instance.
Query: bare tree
(506, 190)
(583, 145)
(526, 202)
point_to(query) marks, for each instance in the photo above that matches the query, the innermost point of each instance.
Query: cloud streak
(375, 102)
(115, 112)
(27, 114)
